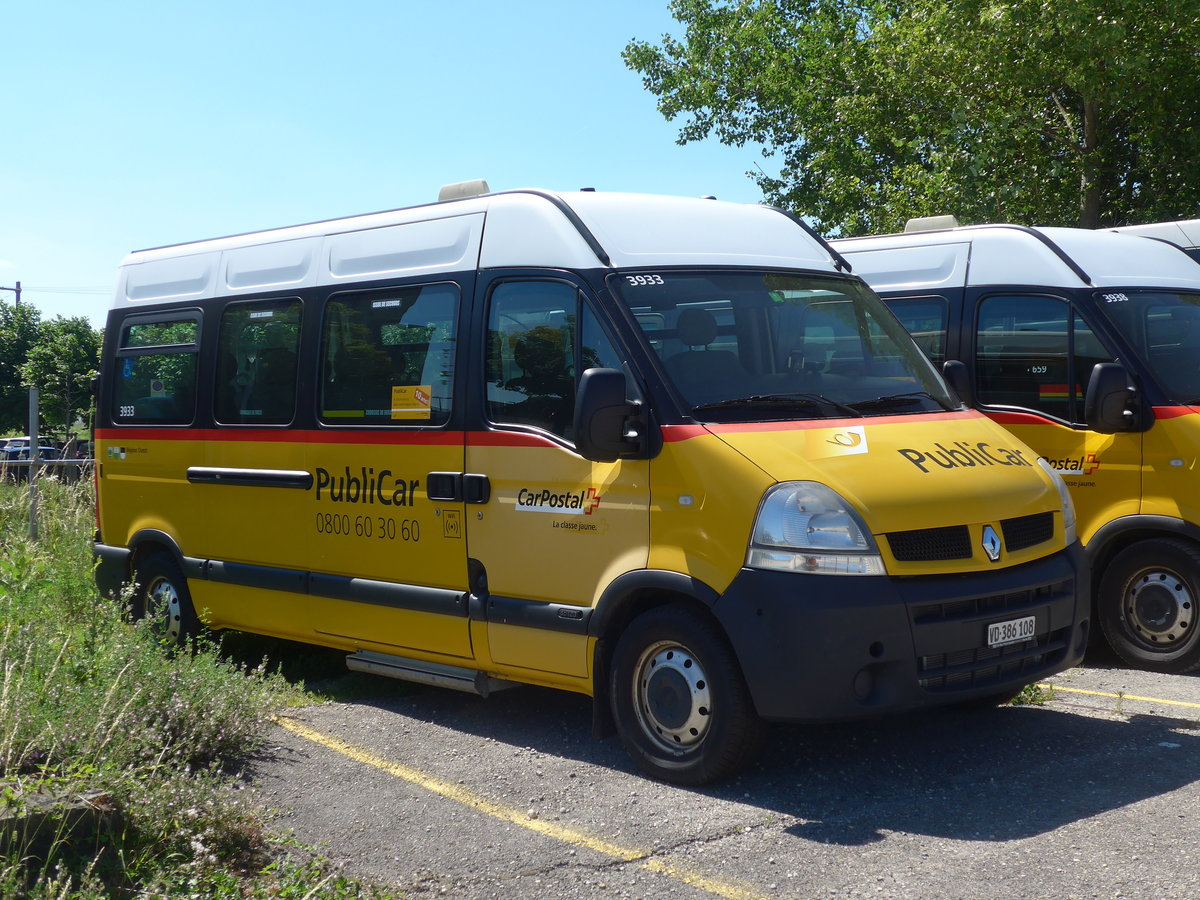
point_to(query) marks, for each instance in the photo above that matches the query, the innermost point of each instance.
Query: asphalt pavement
(1094, 794)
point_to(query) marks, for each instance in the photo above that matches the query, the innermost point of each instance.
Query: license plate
(1011, 632)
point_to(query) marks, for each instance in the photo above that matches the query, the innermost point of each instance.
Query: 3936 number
(383, 528)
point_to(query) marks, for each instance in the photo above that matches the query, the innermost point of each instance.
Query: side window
(536, 352)
(1034, 352)
(155, 379)
(925, 319)
(256, 363)
(387, 357)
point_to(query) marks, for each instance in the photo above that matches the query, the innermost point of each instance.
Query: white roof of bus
(523, 229)
(1185, 233)
(1007, 255)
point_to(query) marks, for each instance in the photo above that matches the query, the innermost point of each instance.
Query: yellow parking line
(1068, 690)
(459, 794)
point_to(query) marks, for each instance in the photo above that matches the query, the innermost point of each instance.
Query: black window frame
(122, 352)
(365, 293)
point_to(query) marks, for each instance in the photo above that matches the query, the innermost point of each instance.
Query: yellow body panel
(555, 530)
(897, 472)
(1171, 472)
(1103, 471)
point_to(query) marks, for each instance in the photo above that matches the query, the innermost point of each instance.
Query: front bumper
(826, 647)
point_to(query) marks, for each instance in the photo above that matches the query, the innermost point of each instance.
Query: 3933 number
(644, 280)
(383, 528)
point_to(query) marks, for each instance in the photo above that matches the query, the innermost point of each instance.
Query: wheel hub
(673, 700)
(165, 605)
(1160, 608)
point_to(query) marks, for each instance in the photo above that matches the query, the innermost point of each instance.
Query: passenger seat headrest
(696, 327)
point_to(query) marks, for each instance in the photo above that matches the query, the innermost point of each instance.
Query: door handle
(476, 488)
(458, 487)
(444, 486)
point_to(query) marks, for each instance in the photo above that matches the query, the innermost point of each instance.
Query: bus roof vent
(930, 223)
(463, 189)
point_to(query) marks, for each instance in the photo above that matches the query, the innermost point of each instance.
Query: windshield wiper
(803, 399)
(892, 401)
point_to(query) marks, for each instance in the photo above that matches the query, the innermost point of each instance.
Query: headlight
(803, 526)
(1068, 505)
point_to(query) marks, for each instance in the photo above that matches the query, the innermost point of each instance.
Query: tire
(1147, 605)
(679, 700)
(164, 600)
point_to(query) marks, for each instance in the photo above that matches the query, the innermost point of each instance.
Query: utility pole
(16, 290)
(34, 414)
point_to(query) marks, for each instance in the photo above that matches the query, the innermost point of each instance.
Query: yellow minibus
(668, 453)
(1085, 345)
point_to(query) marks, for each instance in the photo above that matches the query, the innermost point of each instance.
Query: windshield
(740, 345)
(1163, 328)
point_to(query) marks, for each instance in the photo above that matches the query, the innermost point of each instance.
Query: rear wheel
(1148, 605)
(164, 600)
(679, 699)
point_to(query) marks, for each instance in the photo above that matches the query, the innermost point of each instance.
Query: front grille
(1027, 531)
(954, 541)
(931, 544)
(938, 627)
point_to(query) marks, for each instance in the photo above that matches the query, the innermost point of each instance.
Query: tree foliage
(19, 329)
(1035, 111)
(61, 365)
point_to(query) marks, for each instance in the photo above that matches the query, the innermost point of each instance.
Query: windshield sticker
(644, 280)
(411, 401)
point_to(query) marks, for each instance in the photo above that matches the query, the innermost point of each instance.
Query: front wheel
(164, 600)
(1147, 605)
(679, 699)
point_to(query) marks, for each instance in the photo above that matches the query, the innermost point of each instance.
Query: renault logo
(991, 543)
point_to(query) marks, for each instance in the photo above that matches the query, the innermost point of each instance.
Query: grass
(92, 704)
(1034, 695)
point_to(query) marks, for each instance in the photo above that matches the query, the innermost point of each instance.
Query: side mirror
(955, 373)
(602, 415)
(1112, 404)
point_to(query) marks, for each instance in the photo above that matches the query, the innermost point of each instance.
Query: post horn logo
(845, 439)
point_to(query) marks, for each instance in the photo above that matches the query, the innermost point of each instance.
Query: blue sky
(136, 124)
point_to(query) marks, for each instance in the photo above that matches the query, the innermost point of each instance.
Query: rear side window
(256, 363)
(925, 318)
(155, 378)
(387, 357)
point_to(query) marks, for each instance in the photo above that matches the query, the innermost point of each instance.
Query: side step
(470, 681)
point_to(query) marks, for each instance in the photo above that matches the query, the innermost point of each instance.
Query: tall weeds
(92, 705)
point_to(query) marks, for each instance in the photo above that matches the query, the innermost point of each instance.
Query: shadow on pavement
(992, 775)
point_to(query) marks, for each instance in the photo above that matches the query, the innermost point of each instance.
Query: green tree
(61, 365)
(1081, 113)
(19, 329)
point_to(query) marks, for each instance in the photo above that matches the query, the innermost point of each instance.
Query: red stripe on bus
(282, 436)
(1021, 418)
(1174, 412)
(508, 439)
(685, 432)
